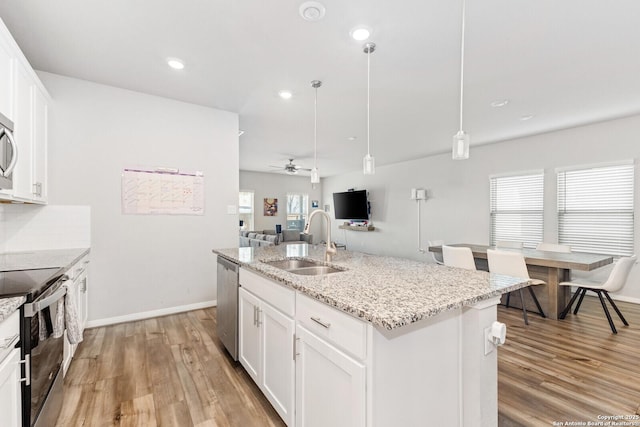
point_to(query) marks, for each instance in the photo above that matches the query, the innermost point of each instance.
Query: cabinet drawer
(9, 333)
(282, 298)
(339, 328)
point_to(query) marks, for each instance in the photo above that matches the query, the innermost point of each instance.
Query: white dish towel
(74, 335)
(66, 316)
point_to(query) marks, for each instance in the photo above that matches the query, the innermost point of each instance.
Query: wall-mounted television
(351, 205)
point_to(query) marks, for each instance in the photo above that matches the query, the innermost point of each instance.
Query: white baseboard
(625, 299)
(149, 314)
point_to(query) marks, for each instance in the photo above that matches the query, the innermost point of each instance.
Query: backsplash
(26, 227)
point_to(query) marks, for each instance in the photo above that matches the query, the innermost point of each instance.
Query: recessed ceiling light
(360, 33)
(240, 132)
(499, 103)
(312, 11)
(527, 117)
(285, 94)
(352, 138)
(175, 63)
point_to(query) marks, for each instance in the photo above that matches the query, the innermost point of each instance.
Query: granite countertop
(31, 260)
(388, 292)
(9, 305)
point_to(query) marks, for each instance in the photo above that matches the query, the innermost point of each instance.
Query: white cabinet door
(40, 146)
(330, 386)
(83, 300)
(10, 406)
(249, 334)
(23, 133)
(278, 365)
(6, 77)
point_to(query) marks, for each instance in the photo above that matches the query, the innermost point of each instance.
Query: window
(245, 209)
(297, 211)
(595, 209)
(517, 208)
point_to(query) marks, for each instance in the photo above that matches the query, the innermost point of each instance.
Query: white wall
(142, 263)
(458, 206)
(272, 185)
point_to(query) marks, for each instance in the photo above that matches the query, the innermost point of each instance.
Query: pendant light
(315, 176)
(460, 149)
(369, 162)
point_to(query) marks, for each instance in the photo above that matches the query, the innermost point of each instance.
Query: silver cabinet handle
(8, 342)
(37, 189)
(320, 322)
(27, 370)
(14, 159)
(258, 322)
(254, 315)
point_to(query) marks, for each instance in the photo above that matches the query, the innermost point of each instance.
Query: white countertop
(9, 305)
(386, 291)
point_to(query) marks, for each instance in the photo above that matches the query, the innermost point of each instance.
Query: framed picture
(314, 204)
(270, 207)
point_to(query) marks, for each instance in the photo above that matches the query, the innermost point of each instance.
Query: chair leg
(533, 295)
(524, 308)
(606, 312)
(508, 299)
(568, 307)
(584, 291)
(615, 307)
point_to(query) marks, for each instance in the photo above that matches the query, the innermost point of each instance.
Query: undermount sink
(304, 267)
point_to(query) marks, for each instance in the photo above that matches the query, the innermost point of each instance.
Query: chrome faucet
(331, 247)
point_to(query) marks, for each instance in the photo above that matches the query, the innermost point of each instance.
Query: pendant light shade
(369, 162)
(315, 175)
(460, 148)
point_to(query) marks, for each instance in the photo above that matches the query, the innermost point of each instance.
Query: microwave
(8, 153)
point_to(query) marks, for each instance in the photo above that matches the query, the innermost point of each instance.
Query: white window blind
(595, 209)
(517, 204)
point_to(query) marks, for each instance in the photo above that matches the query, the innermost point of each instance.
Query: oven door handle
(32, 308)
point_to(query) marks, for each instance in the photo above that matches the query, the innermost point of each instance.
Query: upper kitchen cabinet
(24, 100)
(6, 74)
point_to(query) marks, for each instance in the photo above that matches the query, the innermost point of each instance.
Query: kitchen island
(411, 350)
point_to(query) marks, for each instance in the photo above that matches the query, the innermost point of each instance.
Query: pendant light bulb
(315, 175)
(460, 148)
(369, 162)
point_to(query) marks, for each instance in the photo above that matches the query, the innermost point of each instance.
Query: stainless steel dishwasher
(228, 305)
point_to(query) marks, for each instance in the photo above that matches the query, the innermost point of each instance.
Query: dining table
(551, 267)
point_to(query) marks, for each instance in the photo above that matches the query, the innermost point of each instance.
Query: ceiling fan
(291, 168)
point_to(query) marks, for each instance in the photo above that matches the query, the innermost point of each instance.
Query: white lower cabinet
(266, 351)
(10, 403)
(330, 385)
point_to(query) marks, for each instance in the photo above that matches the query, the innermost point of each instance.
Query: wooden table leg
(552, 297)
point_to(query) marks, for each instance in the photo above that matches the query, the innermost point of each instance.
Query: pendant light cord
(462, 62)
(368, 96)
(315, 131)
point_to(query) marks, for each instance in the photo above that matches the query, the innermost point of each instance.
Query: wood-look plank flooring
(169, 371)
(569, 370)
(173, 371)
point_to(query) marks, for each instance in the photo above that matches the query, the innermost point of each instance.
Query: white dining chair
(616, 281)
(460, 257)
(437, 256)
(553, 247)
(509, 244)
(513, 264)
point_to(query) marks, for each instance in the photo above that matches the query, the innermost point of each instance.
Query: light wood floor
(169, 371)
(569, 370)
(173, 371)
